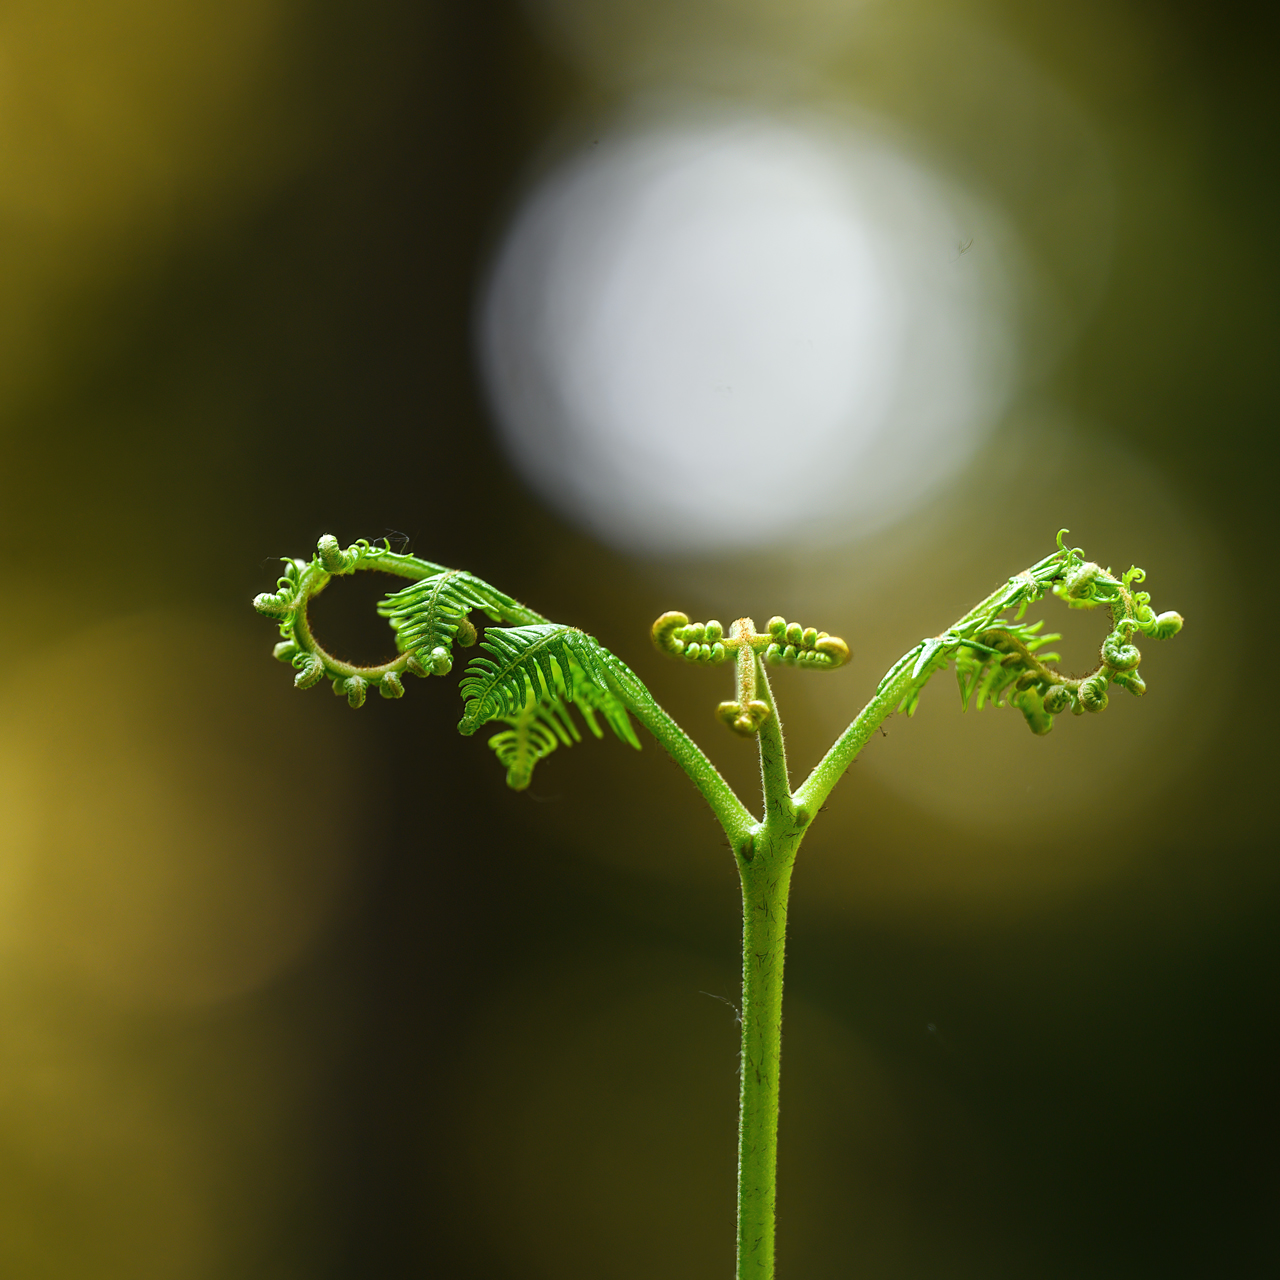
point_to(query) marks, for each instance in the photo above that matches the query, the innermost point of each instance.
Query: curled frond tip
(526, 675)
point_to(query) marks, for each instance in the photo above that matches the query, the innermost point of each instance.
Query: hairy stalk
(894, 687)
(766, 884)
(734, 816)
(766, 881)
(530, 672)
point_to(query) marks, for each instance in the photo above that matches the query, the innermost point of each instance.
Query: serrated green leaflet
(545, 723)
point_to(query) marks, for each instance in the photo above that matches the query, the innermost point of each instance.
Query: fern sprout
(531, 675)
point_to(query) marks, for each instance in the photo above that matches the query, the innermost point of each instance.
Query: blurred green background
(287, 991)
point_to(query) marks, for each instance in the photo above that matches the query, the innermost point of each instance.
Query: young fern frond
(534, 734)
(782, 643)
(998, 659)
(531, 670)
(529, 673)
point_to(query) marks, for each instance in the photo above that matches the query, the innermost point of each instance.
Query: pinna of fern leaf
(430, 615)
(544, 661)
(546, 667)
(533, 735)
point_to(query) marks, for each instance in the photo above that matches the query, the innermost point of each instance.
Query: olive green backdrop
(290, 991)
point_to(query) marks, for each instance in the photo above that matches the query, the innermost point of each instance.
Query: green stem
(730, 812)
(774, 777)
(899, 681)
(765, 864)
(766, 879)
(765, 869)
(765, 853)
(813, 792)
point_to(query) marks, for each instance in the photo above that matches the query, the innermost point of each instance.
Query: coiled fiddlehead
(526, 676)
(782, 643)
(998, 660)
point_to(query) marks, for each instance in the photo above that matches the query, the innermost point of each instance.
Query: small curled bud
(390, 685)
(284, 651)
(465, 634)
(834, 648)
(773, 655)
(1087, 586)
(1038, 719)
(777, 627)
(743, 720)
(674, 634)
(1093, 693)
(330, 554)
(809, 637)
(355, 687)
(664, 632)
(1058, 699)
(279, 605)
(1133, 682)
(309, 673)
(414, 664)
(1079, 583)
(1166, 625)
(1118, 653)
(795, 634)
(440, 662)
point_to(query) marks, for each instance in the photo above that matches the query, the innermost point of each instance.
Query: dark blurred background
(290, 991)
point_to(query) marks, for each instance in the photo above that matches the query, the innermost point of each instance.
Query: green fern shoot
(537, 679)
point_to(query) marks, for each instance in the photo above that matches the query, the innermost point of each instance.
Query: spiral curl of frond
(676, 636)
(528, 674)
(427, 618)
(783, 643)
(998, 659)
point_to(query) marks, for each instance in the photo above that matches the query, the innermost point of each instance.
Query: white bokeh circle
(720, 332)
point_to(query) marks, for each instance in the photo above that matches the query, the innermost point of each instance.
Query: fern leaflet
(534, 734)
(544, 661)
(545, 723)
(428, 616)
(545, 668)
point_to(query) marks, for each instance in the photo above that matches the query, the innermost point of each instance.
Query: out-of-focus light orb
(714, 333)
